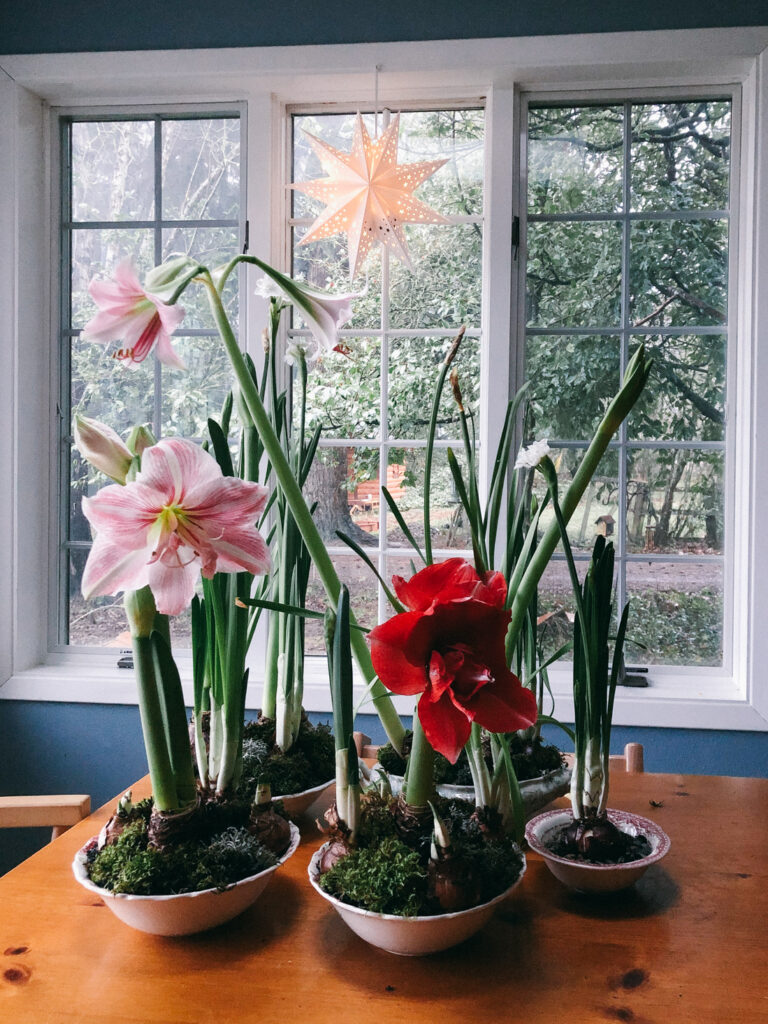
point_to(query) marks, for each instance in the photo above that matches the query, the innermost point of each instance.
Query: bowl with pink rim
(181, 913)
(584, 876)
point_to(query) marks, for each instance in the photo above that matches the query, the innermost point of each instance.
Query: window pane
(201, 169)
(344, 484)
(573, 379)
(113, 170)
(684, 399)
(190, 396)
(681, 155)
(675, 501)
(414, 366)
(574, 275)
(676, 611)
(405, 482)
(455, 135)
(104, 389)
(575, 159)
(678, 272)
(444, 288)
(343, 391)
(112, 176)
(99, 622)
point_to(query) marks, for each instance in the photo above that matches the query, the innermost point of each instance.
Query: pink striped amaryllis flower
(180, 516)
(134, 316)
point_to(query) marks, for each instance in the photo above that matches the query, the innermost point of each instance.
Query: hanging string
(377, 69)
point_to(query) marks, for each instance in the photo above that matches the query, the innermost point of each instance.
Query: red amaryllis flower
(450, 648)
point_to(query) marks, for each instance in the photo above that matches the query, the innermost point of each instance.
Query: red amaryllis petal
(444, 725)
(493, 589)
(504, 706)
(391, 654)
(443, 581)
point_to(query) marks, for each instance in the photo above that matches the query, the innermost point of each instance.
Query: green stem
(481, 778)
(158, 758)
(421, 768)
(320, 557)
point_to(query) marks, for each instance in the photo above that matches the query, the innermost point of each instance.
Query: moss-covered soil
(531, 760)
(309, 762)
(388, 870)
(212, 861)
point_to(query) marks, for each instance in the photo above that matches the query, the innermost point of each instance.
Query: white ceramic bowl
(295, 804)
(184, 913)
(585, 877)
(411, 936)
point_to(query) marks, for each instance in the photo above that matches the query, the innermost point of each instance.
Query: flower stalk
(634, 381)
(292, 491)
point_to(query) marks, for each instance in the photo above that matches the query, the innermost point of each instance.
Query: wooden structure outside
(687, 945)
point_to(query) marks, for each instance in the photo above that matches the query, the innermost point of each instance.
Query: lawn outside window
(506, 79)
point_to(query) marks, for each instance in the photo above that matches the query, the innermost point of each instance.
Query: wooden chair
(55, 812)
(631, 760)
(364, 746)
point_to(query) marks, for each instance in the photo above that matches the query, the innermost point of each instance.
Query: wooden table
(689, 943)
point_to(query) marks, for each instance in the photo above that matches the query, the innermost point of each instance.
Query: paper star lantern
(368, 194)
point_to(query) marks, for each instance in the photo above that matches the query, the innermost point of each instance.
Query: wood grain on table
(688, 944)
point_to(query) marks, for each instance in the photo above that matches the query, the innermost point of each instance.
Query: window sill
(703, 700)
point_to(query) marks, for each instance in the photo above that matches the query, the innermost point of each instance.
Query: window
(374, 400)
(138, 188)
(714, 516)
(627, 228)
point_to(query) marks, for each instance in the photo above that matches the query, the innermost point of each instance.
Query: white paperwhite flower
(530, 457)
(267, 289)
(307, 346)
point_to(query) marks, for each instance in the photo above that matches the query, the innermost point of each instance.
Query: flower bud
(456, 390)
(102, 448)
(139, 439)
(163, 281)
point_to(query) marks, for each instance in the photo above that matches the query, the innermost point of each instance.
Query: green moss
(309, 762)
(129, 866)
(387, 879)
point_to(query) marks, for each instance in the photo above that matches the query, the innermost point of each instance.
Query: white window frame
(269, 81)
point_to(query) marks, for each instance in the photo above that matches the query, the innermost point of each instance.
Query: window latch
(246, 240)
(515, 238)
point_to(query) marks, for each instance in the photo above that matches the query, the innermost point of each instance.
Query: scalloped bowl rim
(619, 818)
(80, 871)
(372, 914)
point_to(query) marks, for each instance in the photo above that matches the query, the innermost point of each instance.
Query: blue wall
(39, 26)
(97, 749)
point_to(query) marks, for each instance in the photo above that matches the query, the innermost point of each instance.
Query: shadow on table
(375, 971)
(655, 893)
(270, 918)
